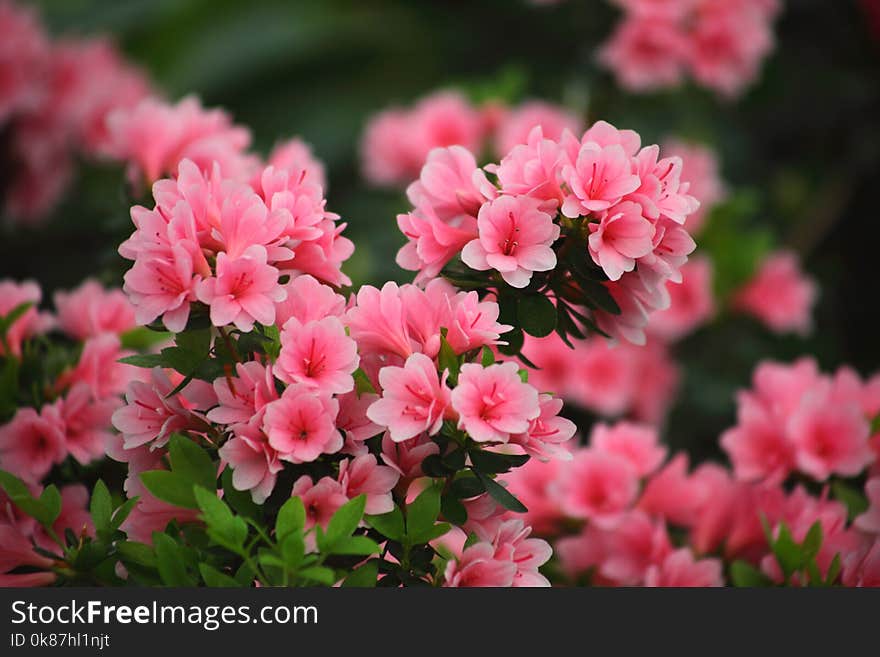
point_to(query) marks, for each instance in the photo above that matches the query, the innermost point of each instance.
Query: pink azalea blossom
(150, 415)
(758, 446)
(517, 124)
(478, 567)
(90, 310)
(364, 475)
(321, 500)
(599, 486)
(621, 236)
(352, 419)
(406, 457)
(100, 369)
(635, 544)
(533, 168)
(414, 399)
(24, 52)
(86, 423)
(646, 54)
(243, 397)
(301, 425)
(163, 286)
(449, 183)
(780, 295)
(869, 521)
(637, 443)
(599, 177)
(317, 355)
(680, 569)
(245, 290)
(31, 322)
(307, 299)
(31, 443)
(515, 237)
(255, 464)
(547, 432)
(296, 155)
(691, 302)
(700, 169)
(492, 402)
(512, 543)
(533, 485)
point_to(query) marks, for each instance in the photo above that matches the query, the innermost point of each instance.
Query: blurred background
(800, 150)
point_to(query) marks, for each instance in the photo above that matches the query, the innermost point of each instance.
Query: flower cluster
(226, 244)
(54, 101)
(596, 222)
(69, 414)
(397, 141)
(797, 419)
(719, 43)
(640, 521)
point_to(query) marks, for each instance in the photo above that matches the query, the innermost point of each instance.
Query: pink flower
(154, 137)
(635, 544)
(317, 355)
(364, 475)
(432, 242)
(150, 415)
(24, 51)
(31, 443)
(780, 294)
(515, 239)
(758, 446)
(90, 310)
(727, 44)
(414, 399)
(680, 569)
(307, 300)
(512, 543)
(387, 158)
(547, 432)
(255, 464)
(406, 457)
(245, 290)
(321, 500)
(449, 183)
(242, 398)
(637, 443)
(692, 301)
(29, 324)
(533, 484)
(493, 403)
(646, 54)
(830, 438)
(599, 178)
(301, 425)
(86, 422)
(378, 320)
(100, 369)
(700, 169)
(622, 235)
(352, 419)
(598, 486)
(163, 286)
(862, 568)
(869, 521)
(478, 567)
(533, 168)
(516, 125)
(672, 494)
(296, 155)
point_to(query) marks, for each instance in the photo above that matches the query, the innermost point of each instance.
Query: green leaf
(7, 320)
(223, 527)
(448, 360)
(142, 338)
(453, 510)
(362, 383)
(599, 295)
(273, 348)
(856, 503)
(144, 360)
(137, 553)
(122, 512)
(487, 357)
(356, 545)
(743, 574)
(344, 522)
(812, 541)
(496, 463)
(20, 496)
(170, 561)
(364, 576)
(170, 487)
(501, 495)
(833, 570)
(467, 486)
(514, 340)
(101, 509)
(788, 553)
(291, 518)
(240, 501)
(421, 514)
(536, 315)
(390, 524)
(320, 574)
(293, 549)
(50, 499)
(215, 578)
(191, 462)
